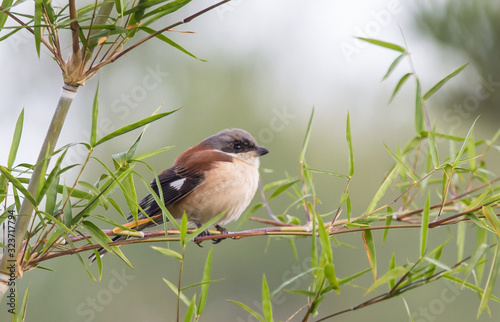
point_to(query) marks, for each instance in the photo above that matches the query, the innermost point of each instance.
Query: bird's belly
(231, 192)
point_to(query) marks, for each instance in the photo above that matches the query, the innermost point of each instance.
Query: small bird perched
(219, 174)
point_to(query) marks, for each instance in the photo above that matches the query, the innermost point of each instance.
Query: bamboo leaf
(392, 265)
(282, 188)
(370, 251)
(18, 185)
(492, 219)
(95, 113)
(103, 240)
(349, 145)
(68, 210)
(177, 292)
(190, 310)
(168, 252)
(329, 272)
(433, 149)
(324, 240)
(150, 154)
(183, 231)
(387, 277)
(440, 84)
(6, 4)
(306, 138)
(267, 309)
(293, 279)
(384, 44)
(394, 64)
(401, 163)
(464, 144)
(425, 225)
(490, 284)
(132, 127)
(170, 42)
(37, 29)
(167, 8)
(346, 280)
(419, 110)
(382, 190)
(248, 309)
(17, 135)
(206, 283)
(400, 83)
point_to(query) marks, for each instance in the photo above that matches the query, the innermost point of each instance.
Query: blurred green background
(269, 63)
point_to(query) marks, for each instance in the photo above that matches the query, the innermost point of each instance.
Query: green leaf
(16, 138)
(329, 272)
(167, 8)
(248, 309)
(433, 149)
(349, 145)
(394, 64)
(53, 176)
(293, 279)
(18, 185)
(370, 251)
(387, 277)
(267, 309)
(58, 223)
(206, 283)
(425, 225)
(392, 265)
(103, 240)
(400, 83)
(440, 84)
(384, 44)
(133, 126)
(6, 4)
(490, 284)
(401, 163)
(388, 221)
(464, 144)
(346, 280)
(95, 113)
(190, 310)
(183, 231)
(170, 42)
(492, 219)
(150, 154)
(306, 138)
(68, 210)
(382, 190)
(24, 305)
(419, 110)
(167, 252)
(473, 262)
(282, 188)
(177, 292)
(324, 240)
(37, 29)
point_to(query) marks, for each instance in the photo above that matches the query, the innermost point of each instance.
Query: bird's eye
(237, 146)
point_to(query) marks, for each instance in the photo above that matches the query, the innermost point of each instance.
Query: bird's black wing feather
(176, 183)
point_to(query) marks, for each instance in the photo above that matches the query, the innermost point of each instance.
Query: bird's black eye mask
(239, 146)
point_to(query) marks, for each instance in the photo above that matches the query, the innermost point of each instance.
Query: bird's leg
(202, 234)
(223, 231)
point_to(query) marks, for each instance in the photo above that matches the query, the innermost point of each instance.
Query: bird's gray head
(234, 141)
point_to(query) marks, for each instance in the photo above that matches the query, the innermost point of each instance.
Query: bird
(218, 175)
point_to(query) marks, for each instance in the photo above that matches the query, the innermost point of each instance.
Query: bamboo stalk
(26, 212)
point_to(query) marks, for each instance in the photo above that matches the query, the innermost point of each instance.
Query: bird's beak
(260, 151)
